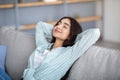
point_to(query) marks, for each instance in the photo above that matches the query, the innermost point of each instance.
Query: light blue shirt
(59, 60)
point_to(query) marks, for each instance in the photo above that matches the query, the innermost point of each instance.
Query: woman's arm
(84, 40)
(43, 31)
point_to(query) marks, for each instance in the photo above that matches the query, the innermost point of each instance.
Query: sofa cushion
(20, 46)
(2, 56)
(97, 64)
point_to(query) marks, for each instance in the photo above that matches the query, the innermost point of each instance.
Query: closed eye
(67, 24)
(65, 27)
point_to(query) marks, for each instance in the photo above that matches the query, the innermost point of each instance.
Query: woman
(51, 60)
(4, 75)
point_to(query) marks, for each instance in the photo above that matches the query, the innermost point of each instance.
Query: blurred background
(103, 14)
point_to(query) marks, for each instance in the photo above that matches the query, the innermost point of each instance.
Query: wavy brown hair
(75, 29)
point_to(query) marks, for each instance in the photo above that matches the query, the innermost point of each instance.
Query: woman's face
(62, 30)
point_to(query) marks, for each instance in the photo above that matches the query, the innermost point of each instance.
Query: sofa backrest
(19, 47)
(98, 63)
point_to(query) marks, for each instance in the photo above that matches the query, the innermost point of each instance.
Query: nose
(59, 26)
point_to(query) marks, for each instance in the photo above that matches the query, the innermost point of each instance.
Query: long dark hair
(74, 30)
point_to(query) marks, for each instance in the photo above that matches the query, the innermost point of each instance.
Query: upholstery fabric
(97, 64)
(20, 46)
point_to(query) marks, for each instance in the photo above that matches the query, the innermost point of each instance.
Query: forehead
(66, 20)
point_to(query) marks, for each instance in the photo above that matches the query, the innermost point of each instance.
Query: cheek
(53, 30)
(54, 34)
(66, 34)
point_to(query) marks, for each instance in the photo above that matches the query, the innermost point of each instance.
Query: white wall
(99, 12)
(111, 24)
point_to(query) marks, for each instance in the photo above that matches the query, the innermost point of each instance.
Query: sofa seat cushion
(98, 63)
(20, 45)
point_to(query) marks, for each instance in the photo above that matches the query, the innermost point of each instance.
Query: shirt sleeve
(83, 41)
(43, 31)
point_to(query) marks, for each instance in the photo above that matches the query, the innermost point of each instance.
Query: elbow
(96, 33)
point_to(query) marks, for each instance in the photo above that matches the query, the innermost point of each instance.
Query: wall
(2, 16)
(31, 15)
(99, 11)
(111, 20)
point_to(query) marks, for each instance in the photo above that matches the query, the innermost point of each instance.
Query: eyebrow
(67, 24)
(64, 23)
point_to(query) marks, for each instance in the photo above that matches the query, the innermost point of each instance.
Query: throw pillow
(2, 56)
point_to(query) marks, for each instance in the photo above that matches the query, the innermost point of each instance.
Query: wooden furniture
(59, 2)
(86, 19)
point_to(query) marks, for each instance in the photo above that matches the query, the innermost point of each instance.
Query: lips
(56, 30)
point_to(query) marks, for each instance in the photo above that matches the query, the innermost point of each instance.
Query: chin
(58, 36)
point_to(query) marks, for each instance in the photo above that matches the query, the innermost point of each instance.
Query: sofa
(98, 63)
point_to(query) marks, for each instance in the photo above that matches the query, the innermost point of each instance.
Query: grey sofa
(98, 63)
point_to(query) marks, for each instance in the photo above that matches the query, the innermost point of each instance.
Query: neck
(58, 43)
